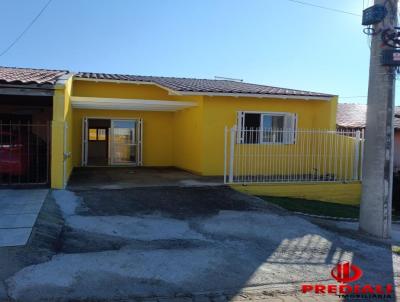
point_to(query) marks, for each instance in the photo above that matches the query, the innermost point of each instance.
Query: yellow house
(198, 125)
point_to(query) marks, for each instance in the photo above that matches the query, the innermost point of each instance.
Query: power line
(325, 7)
(26, 29)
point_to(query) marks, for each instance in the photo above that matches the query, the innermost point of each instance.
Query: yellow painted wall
(170, 138)
(157, 133)
(222, 111)
(61, 127)
(192, 139)
(349, 193)
(189, 139)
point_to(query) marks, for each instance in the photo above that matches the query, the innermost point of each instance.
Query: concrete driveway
(170, 242)
(18, 212)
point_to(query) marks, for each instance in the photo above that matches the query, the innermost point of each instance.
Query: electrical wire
(325, 7)
(26, 29)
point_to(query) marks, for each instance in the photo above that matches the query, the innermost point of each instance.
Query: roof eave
(171, 91)
(177, 92)
(260, 96)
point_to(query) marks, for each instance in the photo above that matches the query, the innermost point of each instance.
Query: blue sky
(271, 42)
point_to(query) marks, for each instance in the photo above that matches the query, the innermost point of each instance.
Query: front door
(124, 142)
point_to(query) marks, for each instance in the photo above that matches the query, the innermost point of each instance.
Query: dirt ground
(176, 202)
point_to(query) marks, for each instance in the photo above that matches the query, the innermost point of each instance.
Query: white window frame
(289, 139)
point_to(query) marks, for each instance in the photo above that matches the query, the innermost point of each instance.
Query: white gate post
(356, 165)
(232, 153)
(225, 151)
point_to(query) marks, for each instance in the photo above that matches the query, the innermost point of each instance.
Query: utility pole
(376, 200)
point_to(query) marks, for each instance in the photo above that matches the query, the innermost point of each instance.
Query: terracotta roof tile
(204, 85)
(30, 75)
(355, 116)
(188, 85)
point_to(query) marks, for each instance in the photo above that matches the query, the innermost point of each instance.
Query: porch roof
(129, 104)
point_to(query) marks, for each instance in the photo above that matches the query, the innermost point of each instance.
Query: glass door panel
(124, 142)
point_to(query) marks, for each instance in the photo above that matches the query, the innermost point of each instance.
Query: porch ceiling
(128, 104)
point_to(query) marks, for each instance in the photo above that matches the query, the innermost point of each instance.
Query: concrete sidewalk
(18, 212)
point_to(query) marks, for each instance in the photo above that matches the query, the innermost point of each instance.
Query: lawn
(318, 207)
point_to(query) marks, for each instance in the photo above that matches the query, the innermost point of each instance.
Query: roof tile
(204, 85)
(30, 75)
(355, 116)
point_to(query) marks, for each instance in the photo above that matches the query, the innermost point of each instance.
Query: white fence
(270, 155)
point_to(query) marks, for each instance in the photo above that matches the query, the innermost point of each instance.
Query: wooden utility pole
(376, 201)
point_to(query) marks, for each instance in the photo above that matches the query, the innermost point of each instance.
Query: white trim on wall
(129, 104)
(260, 96)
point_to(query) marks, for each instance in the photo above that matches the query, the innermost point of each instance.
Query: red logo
(346, 272)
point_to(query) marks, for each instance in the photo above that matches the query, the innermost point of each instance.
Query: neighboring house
(354, 116)
(102, 119)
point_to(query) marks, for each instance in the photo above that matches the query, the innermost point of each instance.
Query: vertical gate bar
(346, 159)
(301, 153)
(37, 157)
(341, 155)
(273, 157)
(326, 138)
(47, 150)
(335, 153)
(257, 134)
(249, 161)
(243, 155)
(295, 154)
(249, 155)
(319, 166)
(307, 154)
(254, 156)
(362, 154)
(356, 155)
(314, 152)
(232, 153)
(240, 143)
(225, 152)
(239, 156)
(20, 143)
(265, 159)
(29, 151)
(1, 143)
(9, 150)
(279, 175)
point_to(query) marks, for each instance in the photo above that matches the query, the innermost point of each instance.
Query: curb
(334, 218)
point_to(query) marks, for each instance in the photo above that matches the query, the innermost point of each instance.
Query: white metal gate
(287, 155)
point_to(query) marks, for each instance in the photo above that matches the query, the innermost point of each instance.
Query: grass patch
(321, 208)
(314, 207)
(396, 249)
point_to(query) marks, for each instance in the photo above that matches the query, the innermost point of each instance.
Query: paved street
(147, 246)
